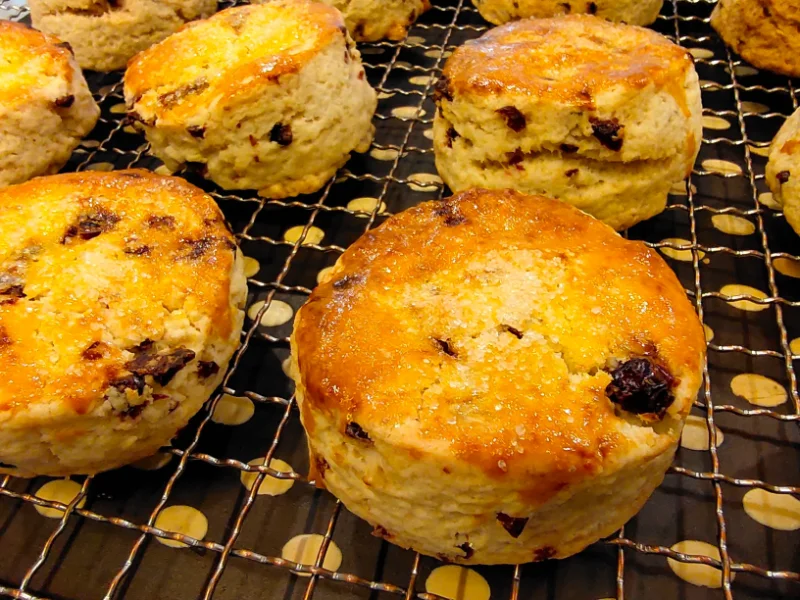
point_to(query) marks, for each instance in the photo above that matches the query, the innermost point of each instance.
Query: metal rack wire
(626, 565)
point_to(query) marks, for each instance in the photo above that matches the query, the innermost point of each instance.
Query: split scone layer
(633, 12)
(121, 300)
(765, 32)
(45, 105)
(783, 169)
(271, 97)
(105, 34)
(495, 377)
(601, 115)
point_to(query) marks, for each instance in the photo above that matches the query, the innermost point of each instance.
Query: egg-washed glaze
(466, 348)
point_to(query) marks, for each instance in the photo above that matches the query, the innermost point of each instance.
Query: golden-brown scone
(633, 12)
(495, 378)
(601, 115)
(45, 105)
(765, 32)
(120, 306)
(270, 97)
(783, 169)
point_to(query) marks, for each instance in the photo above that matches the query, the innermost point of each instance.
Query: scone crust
(764, 32)
(99, 269)
(45, 105)
(633, 12)
(472, 337)
(373, 20)
(783, 169)
(106, 34)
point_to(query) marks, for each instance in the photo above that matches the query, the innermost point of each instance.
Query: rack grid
(105, 548)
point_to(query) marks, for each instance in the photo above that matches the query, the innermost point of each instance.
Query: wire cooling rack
(104, 545)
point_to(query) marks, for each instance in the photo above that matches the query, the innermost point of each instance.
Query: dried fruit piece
(641, 386)
(513, 525)
(513, 118)
(354, 430)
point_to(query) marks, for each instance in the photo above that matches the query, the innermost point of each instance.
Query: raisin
(446, 347)
(137, 250)
(13, 291)
(162, 367)
(169, 99)
(783, 176)
(607, 132)
(515, 157)
(513, 525)
(468, 550)
(67, 46)
(65, 101)
(131, 381)
(134, 117)
(442, 90)
(159, 222)
(640, 386)
(450, 212)
(94, 351)
(7, 466)
(569, 149)
(571, 172)
(253, 140)
(196, 131)
(452, 135)
(354, 430)
(5, 339)
(381, 532)
(197, 248)
(348, 281)
(592, 8)
(281, 134)
(90, 226)
(544, 553)
(207, 368)
(513, 118)
(512, 330)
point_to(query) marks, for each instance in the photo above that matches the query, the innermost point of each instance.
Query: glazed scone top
(570, 60)
(482, 328)
(92, 264)
(217, 60)
(32, 62)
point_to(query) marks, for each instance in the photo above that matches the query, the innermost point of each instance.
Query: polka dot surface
(745, 71)
(768, 200)
(366, 204)
(679, 188)
(100, 166)
(709, 332)
(759, 150)
(735, 289)
(759, 390)
(428, 133)
(721, 167)
(733, 225)
(421, 79)
(157, 461)
(701, 53)
(776, 511)
(276, 314)
(676, 254)
(162, 170)
(233, 410)
(314, 235)
(408, 112)
(695, 573)
(286, 367)
(384, 95)
(457, 583)
(251, 266)
(324, 274)
(270, 486)
(438, 53)
(716, 123)
(118, 109)
(695, 434)
(90, 143)
(387, 154)
(787, 266)
(181, 519)
(424, 182)
(303, 549)
(794, 346)
(415, 39)
(58, 490)
(754, 107)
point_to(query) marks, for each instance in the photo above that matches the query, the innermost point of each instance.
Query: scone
(601, 115)
(121, 300)
(45, 106)
(765, 32)
(270, 97)
(105, 34)
(633, 12)
(495, 378)
(373, 20)
(783, 169)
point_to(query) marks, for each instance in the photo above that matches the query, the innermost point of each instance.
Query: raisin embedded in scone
(121, 300)
(601, 115)
(783, 169)
(271, 97)
(495, 378)
(45, 105)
